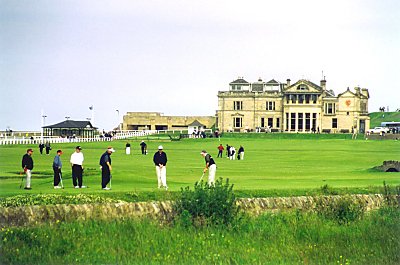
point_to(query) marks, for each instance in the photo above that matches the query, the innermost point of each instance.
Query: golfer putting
(210, 166)
(160, 161)
(105, 166)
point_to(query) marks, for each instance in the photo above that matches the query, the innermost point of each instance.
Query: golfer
(105, 165)
(27, 165)
(128, 148)
(77, 168)
(241, 153)
(160, 161)
(210, 166)
(143, 146)
(57, 165)
(220, 150)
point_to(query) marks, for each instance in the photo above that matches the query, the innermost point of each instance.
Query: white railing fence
(10, 140)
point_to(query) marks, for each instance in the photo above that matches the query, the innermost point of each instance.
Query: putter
(110, 180)
(62, 185)
(201, 177)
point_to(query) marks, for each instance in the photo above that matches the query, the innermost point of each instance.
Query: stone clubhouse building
(301, 107)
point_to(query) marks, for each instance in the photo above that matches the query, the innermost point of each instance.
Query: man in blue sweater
(57, 165)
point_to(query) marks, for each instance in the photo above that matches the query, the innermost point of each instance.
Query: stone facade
(285, 107)
(157, 121)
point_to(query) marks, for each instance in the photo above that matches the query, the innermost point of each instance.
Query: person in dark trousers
(143, 146)
(160, 161)
(27, 165)
(105, 165)
(228, 151)
(41, 147)
(77, 168)
(57, 165)
(241, 153)
(220, 150)
(48, 148)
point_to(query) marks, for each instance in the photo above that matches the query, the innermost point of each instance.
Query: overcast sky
(174, 56)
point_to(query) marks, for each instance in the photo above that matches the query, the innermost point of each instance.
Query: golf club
(110, 180)
(22, 180)
(62, 185)
(201, 177)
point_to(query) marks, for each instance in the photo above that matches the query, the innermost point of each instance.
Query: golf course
(274, 165)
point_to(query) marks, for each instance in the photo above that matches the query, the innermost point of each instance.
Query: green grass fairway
(271, 163)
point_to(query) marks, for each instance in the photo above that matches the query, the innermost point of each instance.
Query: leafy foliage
(207, 204)
(343, 209)
(51, 199)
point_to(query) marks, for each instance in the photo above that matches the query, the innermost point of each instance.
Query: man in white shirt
(77, 167)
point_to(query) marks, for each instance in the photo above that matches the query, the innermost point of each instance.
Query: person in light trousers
(210, 166)
(27, 165)
(160, 161)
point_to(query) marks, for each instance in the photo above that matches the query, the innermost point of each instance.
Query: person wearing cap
(77, 167)
(160, 161)
(57, 165)
(143, 146)
(105, 165)
(210, 166)
(27, 165)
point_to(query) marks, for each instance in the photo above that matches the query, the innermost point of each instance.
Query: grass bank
(284, 238)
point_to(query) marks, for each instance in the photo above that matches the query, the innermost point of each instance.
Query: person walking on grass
(105, 165)
(27, 165)
(220, 150)
(210, 166)
(241, 153)
(143, 147)
(57, 165)
(160, 161)
(48, 148)
(128, 148)
(77, 168)
(41, 147)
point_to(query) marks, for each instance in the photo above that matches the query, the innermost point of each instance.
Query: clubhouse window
(270, 105)
(293, 121)
(270, 121)
(238, 105)
(262, 124)
(237, 122)
(300, 121)
(278, 123)
(330, 108)
(308, 121)
(334, 123)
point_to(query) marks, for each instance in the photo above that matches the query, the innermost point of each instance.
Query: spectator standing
(48, 148)
(220, 150)
(128, 148)
(27, 165)
(105, 165)
(228, 151)
(57, 165)
(241, 153)
(160, 161)
(354, 135)
(232, 153)
(210, 166)
(143, 147)
(77, 168)
(41, 147)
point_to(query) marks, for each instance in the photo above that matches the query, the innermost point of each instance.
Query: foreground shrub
(392, 196)
(343, 209)
(207, 204)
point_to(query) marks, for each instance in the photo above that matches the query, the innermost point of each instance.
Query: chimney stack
(323, 84)
(288, 82)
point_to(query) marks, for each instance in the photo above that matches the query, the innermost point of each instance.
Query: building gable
(303, 86)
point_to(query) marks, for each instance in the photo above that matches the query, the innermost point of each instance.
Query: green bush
(205, 205)
(392, 196)
(343, 209)
(52, 199)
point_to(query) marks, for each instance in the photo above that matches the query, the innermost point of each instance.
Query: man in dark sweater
(105, 165)
(27, 165)
(160, 161)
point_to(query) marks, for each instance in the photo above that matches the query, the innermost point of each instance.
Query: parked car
(378, 130)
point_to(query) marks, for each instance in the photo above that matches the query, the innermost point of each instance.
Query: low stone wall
(31, 215)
